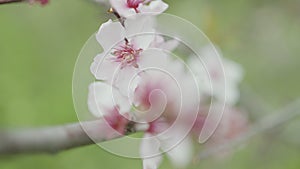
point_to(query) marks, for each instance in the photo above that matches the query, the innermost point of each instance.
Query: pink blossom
(123, 49)
(217, 76)
(127, 8)
(162, 135)
(140, 82)
(233, 125)
(128, 50)
(158, 137)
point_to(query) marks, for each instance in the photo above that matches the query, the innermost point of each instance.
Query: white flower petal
(159, 42)
(103, 97)
(190, 95)
(99, 98)
(232, 94)
(233, 70)
(102, 68)
(140, 30)
(142, 41)
(154, 58)
(178, 148)
(139, 24)
(181, 155)
(121, 7)
(152, 163)
(149, 148)
(156, 6)
(122, 79)
(109, 34)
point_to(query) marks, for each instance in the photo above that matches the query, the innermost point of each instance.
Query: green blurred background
(39, 46)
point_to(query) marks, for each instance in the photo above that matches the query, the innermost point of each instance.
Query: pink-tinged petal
(117, 121)
(158, 126)
(102, 98)
(99, 99)
(150, 152)
(155, 7)
(122, 8)
(151, 103)
(103, 68)
(164, 77)
(233, 124)
(197, 124)
(109, 34)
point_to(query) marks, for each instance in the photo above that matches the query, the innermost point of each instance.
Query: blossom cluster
(138, 80)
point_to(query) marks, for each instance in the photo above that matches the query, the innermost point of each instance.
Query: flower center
(127, 55)
(134, 3)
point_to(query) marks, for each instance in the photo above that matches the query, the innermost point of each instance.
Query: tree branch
(58, 138)
(10, 1)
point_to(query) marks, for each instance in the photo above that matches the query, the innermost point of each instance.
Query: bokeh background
(39, 47)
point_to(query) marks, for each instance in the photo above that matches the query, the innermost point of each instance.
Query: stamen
(127, 55)
(135, 4)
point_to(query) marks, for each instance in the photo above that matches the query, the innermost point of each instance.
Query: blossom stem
(117, 15)
(57, 138)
